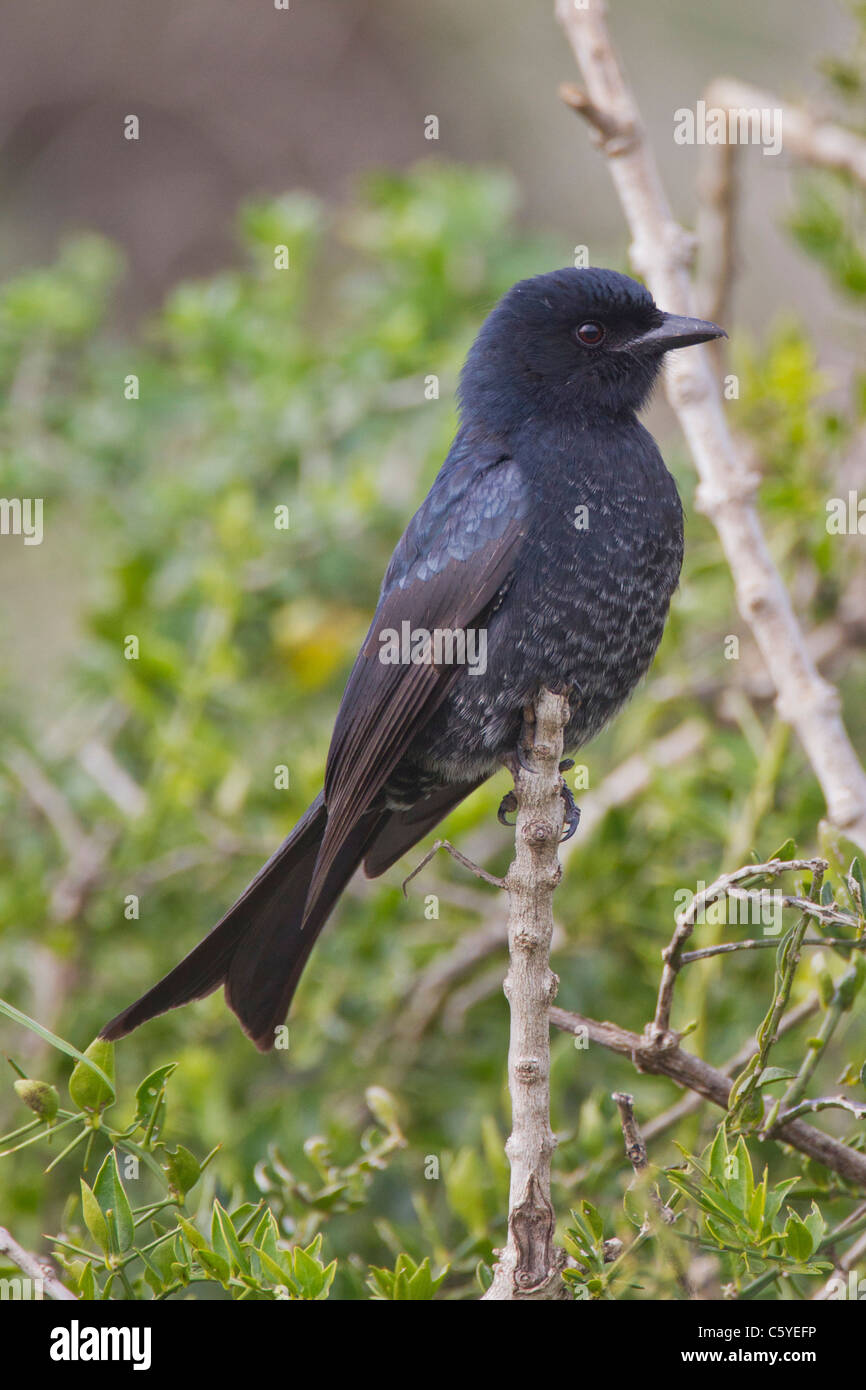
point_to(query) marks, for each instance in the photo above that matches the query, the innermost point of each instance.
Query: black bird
(554, 530)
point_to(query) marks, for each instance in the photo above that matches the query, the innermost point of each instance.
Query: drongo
(547, 551)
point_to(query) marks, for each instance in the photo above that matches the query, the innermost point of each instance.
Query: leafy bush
(141, 791)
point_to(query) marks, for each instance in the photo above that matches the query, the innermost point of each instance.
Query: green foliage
(165, 1246)
(312, 390)
(743, 1220)
(407, 1282)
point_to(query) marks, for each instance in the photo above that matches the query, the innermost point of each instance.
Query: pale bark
(529, 1266)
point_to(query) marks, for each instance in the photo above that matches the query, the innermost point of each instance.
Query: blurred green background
(305, 388)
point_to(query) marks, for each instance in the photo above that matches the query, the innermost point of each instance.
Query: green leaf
(464, 1184)
(799, 1243)
(816, 1225)
(275, 1270)
(851, 982)
(383, 1108)
(313, 1280)
(422, 1285)
(786, 851)
(722, 1236)
(94, 1219)
(771, 1074)
(408, 1282)
(160, 1256)
(634, 1208)
(182, 1170)
(856, 873)
(114, 1204)
(267, 1234)
(775, 1198)
(593, 1220)
(150, 1094)
(225, 1240)
(215, 1265)
(758, 1203)
(741, 1185)
(192, 1233)
(718, 1156)
(87, 1283)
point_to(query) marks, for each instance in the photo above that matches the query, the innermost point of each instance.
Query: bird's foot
(520, 755)
(572, 812)
(508, 803)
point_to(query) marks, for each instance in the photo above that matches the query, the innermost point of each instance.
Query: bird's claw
(572, 812)
(521, 758)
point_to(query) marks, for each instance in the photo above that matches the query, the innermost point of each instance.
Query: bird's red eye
(590, 334)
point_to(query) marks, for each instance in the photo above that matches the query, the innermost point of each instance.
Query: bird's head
(569, 345)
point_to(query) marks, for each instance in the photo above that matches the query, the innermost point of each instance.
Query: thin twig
(767, 945)
(461, 859)
(787, 961)
(686, 921)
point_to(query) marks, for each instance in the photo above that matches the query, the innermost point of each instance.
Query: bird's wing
(457, 553)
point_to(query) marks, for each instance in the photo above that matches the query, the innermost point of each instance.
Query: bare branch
(35, 1269)
(824, 144)
(529, 1266)
(698, 1076)
(687, 918)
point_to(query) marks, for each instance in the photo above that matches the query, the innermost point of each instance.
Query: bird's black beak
(674, 331)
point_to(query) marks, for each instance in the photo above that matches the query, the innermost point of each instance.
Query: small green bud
(382, 1106)
(88, 1092)
(42, 1099)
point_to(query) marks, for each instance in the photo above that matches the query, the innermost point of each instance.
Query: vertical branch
(717, 203)
(662, 251)
(529, 1266)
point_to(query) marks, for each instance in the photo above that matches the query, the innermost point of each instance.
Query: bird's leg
(514, 761)
(572, 812)
(519, 755)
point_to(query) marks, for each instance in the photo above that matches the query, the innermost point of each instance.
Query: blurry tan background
(236, 98)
